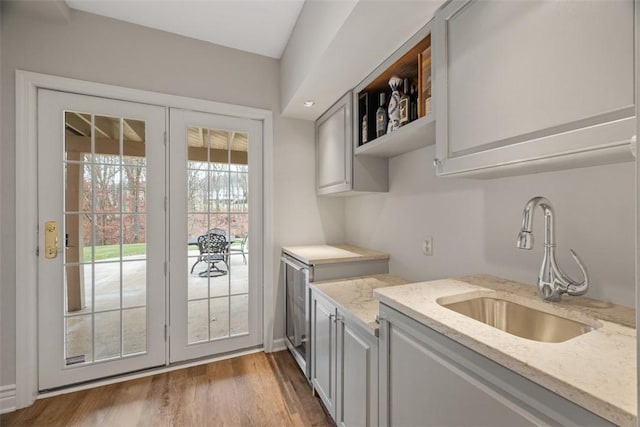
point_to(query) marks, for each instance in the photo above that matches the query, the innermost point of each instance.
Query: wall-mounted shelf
(417, 134)
(412, 61)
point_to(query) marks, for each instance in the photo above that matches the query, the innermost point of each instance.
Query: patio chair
(241, 247)
(217, 231)
(213, 249)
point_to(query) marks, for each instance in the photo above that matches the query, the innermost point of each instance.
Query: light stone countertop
(329, 254)
(355, 296)
(596, 370)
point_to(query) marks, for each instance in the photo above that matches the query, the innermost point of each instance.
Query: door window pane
(239, 314)
(105, 187)
(198, 322)
(219, 325)
(217, 203)
(78, 339)
(107, 335)
(106, 284)
(134, 180)
(134, 326)
(134, 283)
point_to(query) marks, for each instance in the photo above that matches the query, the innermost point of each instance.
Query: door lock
(50, 239)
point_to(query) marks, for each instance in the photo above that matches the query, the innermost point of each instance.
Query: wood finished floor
(254, 390)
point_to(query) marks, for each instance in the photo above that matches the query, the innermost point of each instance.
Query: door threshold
(145, 373)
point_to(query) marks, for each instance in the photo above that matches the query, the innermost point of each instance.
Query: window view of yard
(113, 251)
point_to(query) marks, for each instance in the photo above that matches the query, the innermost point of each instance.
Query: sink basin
(519, 320)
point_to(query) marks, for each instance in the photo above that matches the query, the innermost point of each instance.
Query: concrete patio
(218, 307)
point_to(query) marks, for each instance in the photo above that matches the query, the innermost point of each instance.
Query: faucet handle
(575, 288)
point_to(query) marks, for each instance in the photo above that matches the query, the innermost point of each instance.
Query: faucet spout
(525, 237)
(552, 281)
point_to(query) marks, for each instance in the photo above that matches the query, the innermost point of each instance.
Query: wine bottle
(381, 117)
(413, 103)
(427, 101)
(364, 130)
(404, 104)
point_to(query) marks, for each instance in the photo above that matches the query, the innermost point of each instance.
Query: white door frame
(27, 84)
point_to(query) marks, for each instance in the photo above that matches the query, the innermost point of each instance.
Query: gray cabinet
(532, 86)
(357, 373)
(429, 379)
(337, 172)
(344, 370)
(323, 350)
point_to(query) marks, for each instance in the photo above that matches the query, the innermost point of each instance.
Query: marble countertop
(596, 370)
(355, 296)
(329, 254)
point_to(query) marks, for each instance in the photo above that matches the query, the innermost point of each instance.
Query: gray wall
(90, 47)
(474, 223)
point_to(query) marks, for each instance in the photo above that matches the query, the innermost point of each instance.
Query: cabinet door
(427, 378)
(531, 81)
(323, 349)
(357, 373)
(334, 148)
(424, 389)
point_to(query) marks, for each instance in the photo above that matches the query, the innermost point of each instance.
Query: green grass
(113, 251)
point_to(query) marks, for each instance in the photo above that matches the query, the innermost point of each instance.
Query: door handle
(50, 239)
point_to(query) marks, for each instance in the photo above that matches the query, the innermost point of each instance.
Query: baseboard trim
(7, 398)
(147, 373)
(278, 345)
(8, 392)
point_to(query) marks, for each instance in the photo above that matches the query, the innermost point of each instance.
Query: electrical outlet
(427, 246)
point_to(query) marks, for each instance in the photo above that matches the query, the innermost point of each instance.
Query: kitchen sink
(520, 320)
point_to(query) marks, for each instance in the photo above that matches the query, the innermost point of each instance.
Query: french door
(101, 286)
(121, 208)
(216, 295)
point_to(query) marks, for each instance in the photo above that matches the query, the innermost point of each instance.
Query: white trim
(26, 225)
(27, 84)
(147, 373)
(7, 398)
(278, 345)
(270, 289)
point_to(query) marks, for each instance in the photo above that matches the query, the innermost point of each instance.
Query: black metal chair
(217, 231)
(241, 248)
(213, 249)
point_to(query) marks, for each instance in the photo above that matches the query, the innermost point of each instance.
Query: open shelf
(417, 134)
(412, 64)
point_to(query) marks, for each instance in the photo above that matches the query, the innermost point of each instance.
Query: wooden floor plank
(253, 390)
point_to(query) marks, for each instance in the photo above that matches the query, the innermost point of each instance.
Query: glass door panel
(222, 302)
(214, 192)
(105, 245)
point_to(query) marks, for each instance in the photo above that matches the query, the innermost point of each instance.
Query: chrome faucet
(552, 281)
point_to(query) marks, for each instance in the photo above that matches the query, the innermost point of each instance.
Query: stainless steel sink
(519, 320)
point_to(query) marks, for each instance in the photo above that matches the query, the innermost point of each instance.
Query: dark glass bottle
(413, 103)
(365, 130)
(404, 104)
(381, 117)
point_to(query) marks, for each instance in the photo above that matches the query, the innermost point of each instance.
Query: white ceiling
(335, 44)
(257, 26)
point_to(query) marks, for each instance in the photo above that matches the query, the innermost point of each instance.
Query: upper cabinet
(337, 172)
(531, 86)
(411, 105)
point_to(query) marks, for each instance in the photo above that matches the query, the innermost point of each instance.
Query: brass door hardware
(51, 239)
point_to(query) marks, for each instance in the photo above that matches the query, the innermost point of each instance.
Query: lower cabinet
(344, 369)
(428, 379)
